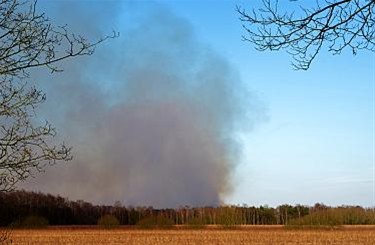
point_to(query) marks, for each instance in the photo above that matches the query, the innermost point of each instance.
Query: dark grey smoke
(152, 116)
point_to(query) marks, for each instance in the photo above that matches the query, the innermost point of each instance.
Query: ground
(242, 235)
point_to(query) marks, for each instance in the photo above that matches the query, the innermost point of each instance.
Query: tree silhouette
(332, 24)
(29, 40)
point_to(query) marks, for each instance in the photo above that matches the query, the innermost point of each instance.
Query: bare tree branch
(29, 40)
(337, 25)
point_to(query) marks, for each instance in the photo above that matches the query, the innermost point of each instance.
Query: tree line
(17, 206)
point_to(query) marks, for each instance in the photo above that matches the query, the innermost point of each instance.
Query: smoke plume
(152, 116)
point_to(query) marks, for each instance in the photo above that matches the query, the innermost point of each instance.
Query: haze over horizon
(179, 111)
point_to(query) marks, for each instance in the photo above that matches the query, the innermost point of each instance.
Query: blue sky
(317, 144)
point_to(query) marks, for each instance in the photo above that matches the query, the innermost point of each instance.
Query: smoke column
(152, 116)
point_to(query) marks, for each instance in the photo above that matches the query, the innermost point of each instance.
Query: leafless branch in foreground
(337, 25)
(29, 40)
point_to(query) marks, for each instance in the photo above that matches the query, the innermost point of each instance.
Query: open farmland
(248, 235)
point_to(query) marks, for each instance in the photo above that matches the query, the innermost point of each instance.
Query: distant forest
(17, 206)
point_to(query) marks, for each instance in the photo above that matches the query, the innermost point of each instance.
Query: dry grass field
(248, 235)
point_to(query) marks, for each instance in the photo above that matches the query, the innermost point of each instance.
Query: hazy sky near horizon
(317, 144)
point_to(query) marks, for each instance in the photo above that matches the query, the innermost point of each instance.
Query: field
(247, 235)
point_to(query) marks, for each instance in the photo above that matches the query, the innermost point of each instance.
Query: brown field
(243, 235)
